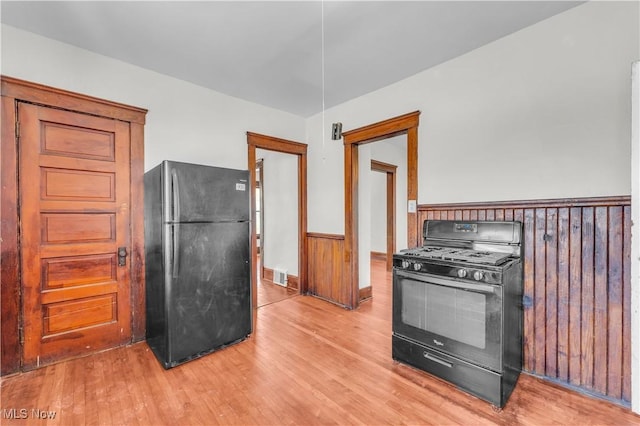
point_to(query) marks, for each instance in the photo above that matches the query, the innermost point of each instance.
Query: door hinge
(21, 334)
(17, 129)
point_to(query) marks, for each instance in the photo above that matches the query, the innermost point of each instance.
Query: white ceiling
(271, 53)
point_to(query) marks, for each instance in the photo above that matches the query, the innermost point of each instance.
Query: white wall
(280, 192)
(391, 151)
(364, 216)
(542, 113)
(394, 151)
(378, 208)
(325, 178)
(185, 122)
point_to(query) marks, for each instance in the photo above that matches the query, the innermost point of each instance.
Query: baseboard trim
(365, 293)
(293, 282)
(379, 255)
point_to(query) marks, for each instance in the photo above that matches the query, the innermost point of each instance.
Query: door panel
(80, 143)
(77, 227)
(71, 271)
(97, 186)
(74, 210)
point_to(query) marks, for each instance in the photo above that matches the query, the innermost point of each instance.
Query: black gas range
(457, 305)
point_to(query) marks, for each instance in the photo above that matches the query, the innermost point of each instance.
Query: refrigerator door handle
(175, 196)
(175, 252)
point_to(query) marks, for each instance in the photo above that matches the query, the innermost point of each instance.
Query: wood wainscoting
(577, 316)
(325, 268)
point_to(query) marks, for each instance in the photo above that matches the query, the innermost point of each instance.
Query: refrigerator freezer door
(195, 193)
(209, 297)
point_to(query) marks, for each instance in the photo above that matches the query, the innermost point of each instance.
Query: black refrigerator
(198, 271)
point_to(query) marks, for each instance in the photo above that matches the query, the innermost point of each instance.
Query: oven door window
(460, 318)
(446, 311)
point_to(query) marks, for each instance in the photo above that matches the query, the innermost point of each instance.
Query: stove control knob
(462, 273)
(405, 264)
(417, 266)
(478, 275)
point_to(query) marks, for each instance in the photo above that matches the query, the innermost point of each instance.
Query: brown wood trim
(293, 282)
(325, 236)
(378, 255)
(276, 144)
(391, 218)
(351, 267)
(138, 283)
(251, 160)
(382, 129)
(254, 141)
(14, 90)
(268, 274)
(414, 233)
(383, 167)
(407, 123)
(365, 293)
(10, 257)
(523, 204)
(303, 286)
(54, 97)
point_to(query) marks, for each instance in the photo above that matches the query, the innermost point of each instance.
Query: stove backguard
(500, 236)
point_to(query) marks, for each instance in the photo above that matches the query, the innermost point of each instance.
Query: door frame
(390, 172)
(13, 91)
(403, 124)
(270, 143)
(260, 179)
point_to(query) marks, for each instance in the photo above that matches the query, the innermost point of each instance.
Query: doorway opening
(389, 190)
(402, 125)
(265, 145)
(276, 230)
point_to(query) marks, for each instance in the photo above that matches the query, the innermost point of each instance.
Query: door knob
(122, 256)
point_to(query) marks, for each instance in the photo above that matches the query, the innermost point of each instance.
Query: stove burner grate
(458, 255)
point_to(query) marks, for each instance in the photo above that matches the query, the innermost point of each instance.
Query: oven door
(463, 319)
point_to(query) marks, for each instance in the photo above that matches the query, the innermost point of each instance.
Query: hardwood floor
(269, 293)
(308, 362)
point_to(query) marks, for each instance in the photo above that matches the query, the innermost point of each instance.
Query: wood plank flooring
(269, 293)
(308, 362)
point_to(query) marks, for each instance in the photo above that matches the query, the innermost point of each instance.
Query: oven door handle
(430, 357)
(476, 288)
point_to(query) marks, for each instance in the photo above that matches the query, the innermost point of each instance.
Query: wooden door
(74, 175)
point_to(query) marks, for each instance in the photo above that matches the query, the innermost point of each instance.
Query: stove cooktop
(458, 255)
